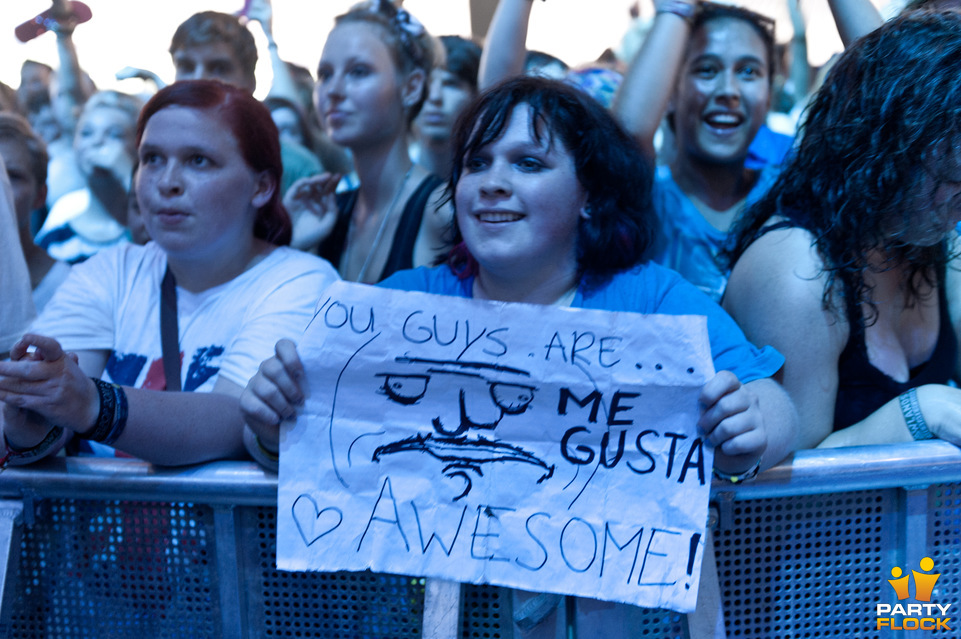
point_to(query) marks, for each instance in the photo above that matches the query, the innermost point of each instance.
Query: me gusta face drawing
(467, 402)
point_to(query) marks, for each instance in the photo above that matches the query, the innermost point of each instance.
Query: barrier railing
(104, 547)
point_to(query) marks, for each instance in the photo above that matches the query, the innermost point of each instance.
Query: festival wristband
(750, 473)
(911, 409)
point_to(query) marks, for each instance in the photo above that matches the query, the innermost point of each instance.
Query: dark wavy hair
(929, 5)
(608, 163)
(875, 136)
(410, 45)
(253, 129)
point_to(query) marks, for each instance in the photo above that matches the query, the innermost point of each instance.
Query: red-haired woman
(217, 282)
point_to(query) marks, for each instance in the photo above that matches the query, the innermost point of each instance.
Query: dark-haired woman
(92, 366)
(847, 265)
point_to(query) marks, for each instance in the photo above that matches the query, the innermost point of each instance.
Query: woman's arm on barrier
(644, 95)
(43, 387)
(775, 294)
(506, 43)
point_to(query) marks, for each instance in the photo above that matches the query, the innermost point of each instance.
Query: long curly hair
(879, 138)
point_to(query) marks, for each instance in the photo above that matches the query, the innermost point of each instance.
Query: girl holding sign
(552, 208)
(196, 309)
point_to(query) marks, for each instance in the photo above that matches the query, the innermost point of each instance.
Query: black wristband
(112, 417)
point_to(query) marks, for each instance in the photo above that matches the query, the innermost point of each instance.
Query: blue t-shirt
(646, 289)
(685, 241)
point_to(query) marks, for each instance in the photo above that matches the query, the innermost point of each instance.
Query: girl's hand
(312, 205)
(274, 393)
(731, 420)
(42, 378)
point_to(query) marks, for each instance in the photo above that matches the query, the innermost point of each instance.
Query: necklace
(380, 231)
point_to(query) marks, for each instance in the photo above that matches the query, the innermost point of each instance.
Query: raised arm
(506, 43)
(283, 84)
(50, 396)
(644, 95)
(854, 18)
(71, 92)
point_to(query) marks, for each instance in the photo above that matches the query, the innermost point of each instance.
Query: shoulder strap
(401, 254)
(169, 335)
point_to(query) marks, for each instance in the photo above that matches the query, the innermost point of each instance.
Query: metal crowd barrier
(116, 548)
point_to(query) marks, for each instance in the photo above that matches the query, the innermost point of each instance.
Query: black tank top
(862, 388)
(401, 254)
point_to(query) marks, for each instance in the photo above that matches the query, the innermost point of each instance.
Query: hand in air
(312, 205)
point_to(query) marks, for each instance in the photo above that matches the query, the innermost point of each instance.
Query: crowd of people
(161, 259)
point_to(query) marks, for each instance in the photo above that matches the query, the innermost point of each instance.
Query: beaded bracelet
(911, 410)
(112, 418)
(750, 473)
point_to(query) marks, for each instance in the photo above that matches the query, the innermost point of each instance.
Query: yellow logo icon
(923, 615)
(923, 582)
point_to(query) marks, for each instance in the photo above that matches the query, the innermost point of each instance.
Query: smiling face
(519, 203)
(197, 195)
(723, 93)
(446, 97)
(360, 93)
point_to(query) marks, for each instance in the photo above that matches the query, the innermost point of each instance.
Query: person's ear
(414, 87)
(266, 186)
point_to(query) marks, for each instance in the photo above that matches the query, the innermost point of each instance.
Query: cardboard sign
(541, 448)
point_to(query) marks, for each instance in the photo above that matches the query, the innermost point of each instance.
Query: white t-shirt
(44, 291)
(112, 302)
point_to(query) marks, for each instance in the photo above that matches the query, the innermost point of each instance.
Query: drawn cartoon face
(469, 401)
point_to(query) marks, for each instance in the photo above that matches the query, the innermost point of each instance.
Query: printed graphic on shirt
(125, 369)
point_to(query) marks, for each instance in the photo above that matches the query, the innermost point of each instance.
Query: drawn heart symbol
(310, 519)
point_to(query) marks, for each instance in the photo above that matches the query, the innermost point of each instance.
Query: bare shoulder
(776, 291)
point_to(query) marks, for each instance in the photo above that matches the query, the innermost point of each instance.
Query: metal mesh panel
(810, 566)
(338, 605)
(485, 612)
(944, 542)
(115, 569)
